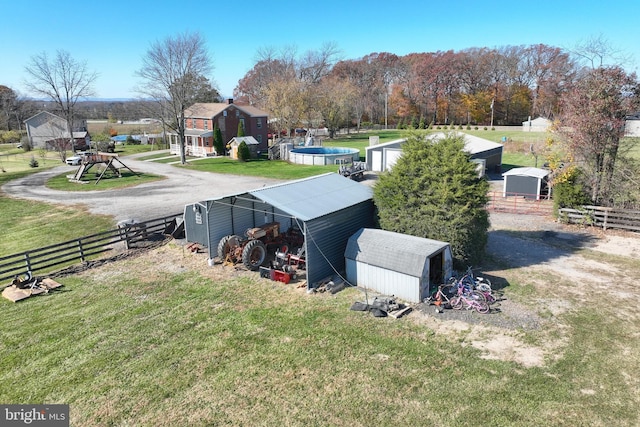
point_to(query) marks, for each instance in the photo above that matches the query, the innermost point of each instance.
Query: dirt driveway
(142, 202)
(569, 266)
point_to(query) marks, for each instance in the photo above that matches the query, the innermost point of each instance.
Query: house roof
(393, 251)
(527, 171)
(212, 109)
(41, 113)
(197, 132)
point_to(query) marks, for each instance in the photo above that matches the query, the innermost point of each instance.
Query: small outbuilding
(251, 142)
(528, 182)
(407, 267)
(536, 125)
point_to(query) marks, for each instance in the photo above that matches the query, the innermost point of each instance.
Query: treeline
(14, 110)
(503, 86)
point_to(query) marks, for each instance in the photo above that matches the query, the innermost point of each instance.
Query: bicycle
(441, 298)
(469, 302)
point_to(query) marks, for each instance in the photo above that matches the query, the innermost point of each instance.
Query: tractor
(251, 249)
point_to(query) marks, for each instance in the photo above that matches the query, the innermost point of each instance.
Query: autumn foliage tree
(593, 122)
(433, 191)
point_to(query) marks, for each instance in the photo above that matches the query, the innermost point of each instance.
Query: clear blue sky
(112, 36)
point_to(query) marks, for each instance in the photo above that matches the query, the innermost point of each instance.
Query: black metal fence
(50, 258)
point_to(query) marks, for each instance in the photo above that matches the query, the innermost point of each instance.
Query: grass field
(158, 340)
(28, 224)
(161, 339)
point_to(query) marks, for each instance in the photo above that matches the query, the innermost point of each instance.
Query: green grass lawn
(276, 169)
(28, 224)
(147, 343)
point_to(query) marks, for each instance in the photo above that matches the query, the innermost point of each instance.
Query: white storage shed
(407, 267)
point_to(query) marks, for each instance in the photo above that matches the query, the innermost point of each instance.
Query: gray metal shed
(326, 208)
(528, 182)
(389, 263)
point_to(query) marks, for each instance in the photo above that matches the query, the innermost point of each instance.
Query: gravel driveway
(143, 202)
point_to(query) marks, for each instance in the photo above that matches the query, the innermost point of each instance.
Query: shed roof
(472, 144)
(316, 196)
(527, 171)
(313, 197)
(393, 251)
(537, 121)
(249, 140)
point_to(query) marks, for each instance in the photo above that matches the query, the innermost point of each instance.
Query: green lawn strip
(276, 169)
(28, 224)
(180, 349)
(156, 156)
(109, 181)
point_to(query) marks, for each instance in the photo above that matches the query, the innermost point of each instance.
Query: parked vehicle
(76, 159)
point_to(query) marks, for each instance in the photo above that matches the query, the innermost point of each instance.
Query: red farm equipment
(252, 249)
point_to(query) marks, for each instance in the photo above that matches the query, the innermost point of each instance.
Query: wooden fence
(602, 217)
(49, 258)
(525, 204)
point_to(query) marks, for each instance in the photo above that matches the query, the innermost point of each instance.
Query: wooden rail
(48, 258)
(525, 204)
(602, 217)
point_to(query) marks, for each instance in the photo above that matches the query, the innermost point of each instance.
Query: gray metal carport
(326, 208)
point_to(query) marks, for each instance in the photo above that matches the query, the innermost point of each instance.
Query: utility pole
(492, 101)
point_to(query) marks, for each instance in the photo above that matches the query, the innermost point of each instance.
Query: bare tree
(171, 70)
(63, 80)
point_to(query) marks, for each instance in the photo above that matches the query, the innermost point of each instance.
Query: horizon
(357, 29)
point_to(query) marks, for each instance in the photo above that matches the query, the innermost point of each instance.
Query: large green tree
(433, 191)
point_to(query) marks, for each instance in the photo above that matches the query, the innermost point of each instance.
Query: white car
(76, 160)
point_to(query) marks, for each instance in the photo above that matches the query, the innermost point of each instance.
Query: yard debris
(27, 286)
(383, 307)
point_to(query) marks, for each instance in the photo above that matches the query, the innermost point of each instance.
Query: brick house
(200, 119)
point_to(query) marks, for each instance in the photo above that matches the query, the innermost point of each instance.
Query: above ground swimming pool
(323, 155)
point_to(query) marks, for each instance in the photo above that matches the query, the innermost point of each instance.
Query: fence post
(604, 224)
(27, 261)
(80, 249)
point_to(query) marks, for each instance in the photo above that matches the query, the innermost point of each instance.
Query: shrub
(475, 128)
(485, 128)
(468, 127)
(131, 141)
(243, 152)
(33, 162)
(106, 146)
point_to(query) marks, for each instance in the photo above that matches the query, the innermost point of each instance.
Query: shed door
(525, 186)
(392, 156)
(376, 160)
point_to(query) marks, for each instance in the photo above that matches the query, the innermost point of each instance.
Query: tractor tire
(227, 243)
(254, 254)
